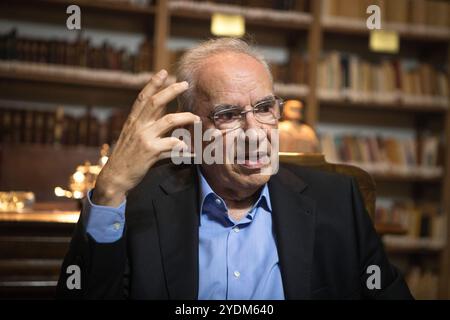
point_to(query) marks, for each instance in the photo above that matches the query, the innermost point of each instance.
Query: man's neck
(239, 209)
(239, 202)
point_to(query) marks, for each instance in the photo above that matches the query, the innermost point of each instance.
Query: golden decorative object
(83, 179)
(16, 201)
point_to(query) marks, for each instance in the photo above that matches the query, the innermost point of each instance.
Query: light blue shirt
(237, 260)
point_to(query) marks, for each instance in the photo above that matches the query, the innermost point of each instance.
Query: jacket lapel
(178, 222)
(177, 215)
(294, 226)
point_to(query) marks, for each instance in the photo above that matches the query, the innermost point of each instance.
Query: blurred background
(377, 99)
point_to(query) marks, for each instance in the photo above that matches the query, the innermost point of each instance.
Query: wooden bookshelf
(67, 85)
(107, 7)
(108, 81)
(411, 32)
(414, 109)
(396, 101)
(72, 75)
(407, 178)
(402, 244)
(392, 106)
(389, 229)
(286, 29)
(120, 16)
(284, 20)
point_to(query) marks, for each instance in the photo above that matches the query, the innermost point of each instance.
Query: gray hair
(192, 59)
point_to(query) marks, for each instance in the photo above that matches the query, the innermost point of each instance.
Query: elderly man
(220, 231)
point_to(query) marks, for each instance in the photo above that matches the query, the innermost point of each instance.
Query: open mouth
(253, 161)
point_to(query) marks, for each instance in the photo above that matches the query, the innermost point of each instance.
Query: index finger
(154, 109)
(155, 83)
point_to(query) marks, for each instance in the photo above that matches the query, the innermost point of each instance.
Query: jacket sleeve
(103, 270)
(373, 259)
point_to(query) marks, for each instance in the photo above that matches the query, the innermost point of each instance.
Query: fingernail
(162, 73)
(184, 84)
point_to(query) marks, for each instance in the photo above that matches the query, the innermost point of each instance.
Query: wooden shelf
(427, 107)
(73, 75)
(404, 244)
(253, 16)
(105, 6)
(268, 27)
(386, 101)
(418, 174)
(41, 216)
(411, 178)
(389, 229)
(70, 84)
(109, 15)
(351, 26)
(103, 79)
(290, 90)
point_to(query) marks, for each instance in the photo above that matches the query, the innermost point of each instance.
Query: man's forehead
(238, 65)
(237, 77)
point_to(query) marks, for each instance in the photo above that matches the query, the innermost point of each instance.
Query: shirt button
(237, 274)
(218, 201)
(236, 229)
(116, 226)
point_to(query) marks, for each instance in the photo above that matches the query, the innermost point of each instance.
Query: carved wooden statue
(296, 136)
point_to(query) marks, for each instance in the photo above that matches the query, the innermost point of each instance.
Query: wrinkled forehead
(233, 78)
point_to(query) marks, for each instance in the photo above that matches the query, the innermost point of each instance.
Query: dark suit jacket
(324, 236)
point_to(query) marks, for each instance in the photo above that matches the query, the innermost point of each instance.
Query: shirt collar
(206, 190)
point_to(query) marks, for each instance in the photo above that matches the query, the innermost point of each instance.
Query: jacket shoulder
(315, 176)
(163, 174)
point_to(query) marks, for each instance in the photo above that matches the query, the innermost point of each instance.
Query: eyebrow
(224, 106)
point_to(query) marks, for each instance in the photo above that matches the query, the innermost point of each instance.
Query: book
(345, 76)
(384, 154)
(412, 220)
(79, 52)
(433, 13)
(397, 11)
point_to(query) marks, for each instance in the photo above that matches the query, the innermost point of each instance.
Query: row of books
(295, 70)
(414, 220)
(357, 79)
(79, 52)
(297, 5)
(421, 12)
(30, 126)
(384, 154)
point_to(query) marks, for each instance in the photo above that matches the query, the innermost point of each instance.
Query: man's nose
(250, 120)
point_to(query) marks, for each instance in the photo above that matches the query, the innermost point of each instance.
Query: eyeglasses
(266, 111)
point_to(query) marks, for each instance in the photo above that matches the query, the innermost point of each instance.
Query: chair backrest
(365, 181)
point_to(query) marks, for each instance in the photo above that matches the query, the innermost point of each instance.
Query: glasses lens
(267, 111)
(228, 119)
